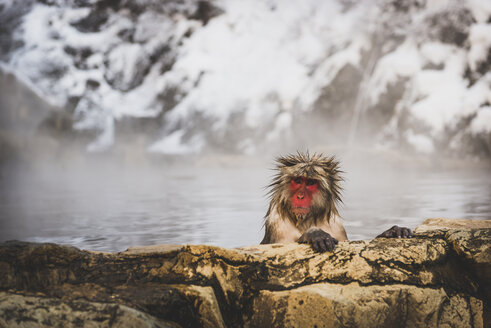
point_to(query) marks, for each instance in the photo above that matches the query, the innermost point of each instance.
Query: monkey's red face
(302, 191)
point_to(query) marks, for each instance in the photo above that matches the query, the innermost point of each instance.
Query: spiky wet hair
(323, 169)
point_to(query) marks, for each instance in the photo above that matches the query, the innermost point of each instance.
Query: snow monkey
(304, 195)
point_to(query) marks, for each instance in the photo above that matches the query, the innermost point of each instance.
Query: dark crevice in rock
(483, 67)
(205, 11)
(211, 255)
(451, 26)
(229, 313)
(11, 18)
(93, 22)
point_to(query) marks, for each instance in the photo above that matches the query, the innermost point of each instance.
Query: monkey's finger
(323, 246)
(384, 234)
(316, 245)
(335, 241)
(327, 246)
(409, 233)
(405, 232)
(331, 244)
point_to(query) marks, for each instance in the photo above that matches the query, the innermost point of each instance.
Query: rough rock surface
(28, 311)
(438, 278)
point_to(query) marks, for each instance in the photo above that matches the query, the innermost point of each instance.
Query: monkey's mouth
(301, 211)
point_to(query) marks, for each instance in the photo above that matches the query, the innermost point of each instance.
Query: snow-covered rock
(241, 75)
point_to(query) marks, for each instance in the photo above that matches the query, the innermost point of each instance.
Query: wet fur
(281, 224)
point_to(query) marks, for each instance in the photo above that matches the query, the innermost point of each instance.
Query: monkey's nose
(300, 195)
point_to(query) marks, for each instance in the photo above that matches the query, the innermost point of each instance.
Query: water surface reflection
(110, 208)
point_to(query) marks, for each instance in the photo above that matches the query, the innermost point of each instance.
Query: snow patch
(173, 144)
(482, 122)
(263, 49)
(405, 61)
(261, 61)
(480, 39)
(420, 143)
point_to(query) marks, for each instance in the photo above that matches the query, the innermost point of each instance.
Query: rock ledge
(440, 277)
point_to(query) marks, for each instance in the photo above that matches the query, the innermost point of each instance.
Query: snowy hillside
(241, 75)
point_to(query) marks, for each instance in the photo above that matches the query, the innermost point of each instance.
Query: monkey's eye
(310, 182)
(297, 180)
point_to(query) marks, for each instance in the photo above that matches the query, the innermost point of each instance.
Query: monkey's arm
(334, 227)
(396, 232)
(278, 229)
(268, 234)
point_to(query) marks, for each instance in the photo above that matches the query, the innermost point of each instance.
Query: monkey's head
(306, 187)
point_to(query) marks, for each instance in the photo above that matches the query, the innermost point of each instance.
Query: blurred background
(141, 122)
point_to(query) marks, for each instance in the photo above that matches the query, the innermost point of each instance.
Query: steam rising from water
(103, 205)
(300, 89)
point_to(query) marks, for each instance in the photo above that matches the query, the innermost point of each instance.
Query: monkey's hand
(396, 232)
(320, 240)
